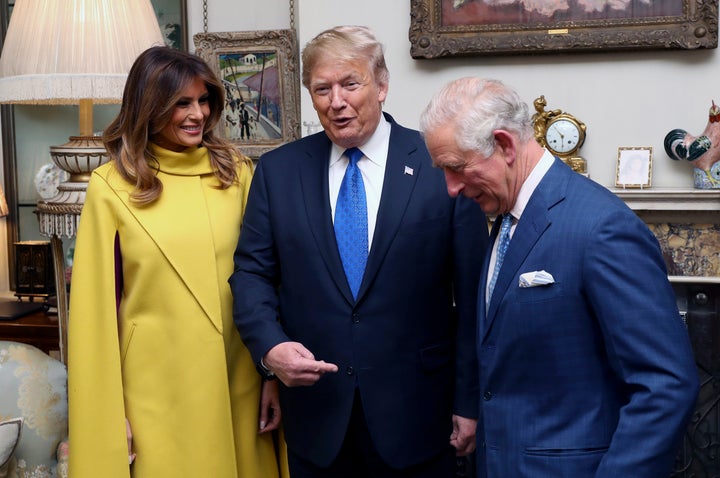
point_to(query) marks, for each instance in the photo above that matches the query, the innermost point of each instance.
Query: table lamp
(60, 52)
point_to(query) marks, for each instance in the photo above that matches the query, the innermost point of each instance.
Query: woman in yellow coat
(160, 383)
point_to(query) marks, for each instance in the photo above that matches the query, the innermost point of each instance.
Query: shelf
(694, 280)
(679, 200)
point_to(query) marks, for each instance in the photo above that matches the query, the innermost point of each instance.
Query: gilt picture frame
(259, 70)
(634, 167)
(442, 28)
(172, 18)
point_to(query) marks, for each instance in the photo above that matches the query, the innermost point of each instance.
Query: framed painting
(440, 28)
(634, 167)
(259, 70)
(172, 17)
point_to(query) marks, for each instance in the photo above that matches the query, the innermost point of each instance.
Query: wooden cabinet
(34, 270)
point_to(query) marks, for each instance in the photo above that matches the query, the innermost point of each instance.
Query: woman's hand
(269, 406)
(128, 430)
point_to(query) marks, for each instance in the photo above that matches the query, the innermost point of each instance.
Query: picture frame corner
(173, 22)
(434, 34)
(279, 47)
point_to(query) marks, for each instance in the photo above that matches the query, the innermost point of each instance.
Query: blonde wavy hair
(345, 43)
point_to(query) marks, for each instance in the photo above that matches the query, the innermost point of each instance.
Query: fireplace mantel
(686, 223)
(681, 200)
(694, 280)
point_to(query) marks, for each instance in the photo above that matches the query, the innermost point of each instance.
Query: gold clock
(561, 133)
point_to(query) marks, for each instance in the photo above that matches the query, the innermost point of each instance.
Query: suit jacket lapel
(533, 223)
(315, 192)
(482, 309)
(396, 192)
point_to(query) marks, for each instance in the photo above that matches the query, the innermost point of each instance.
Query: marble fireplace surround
(686, 222)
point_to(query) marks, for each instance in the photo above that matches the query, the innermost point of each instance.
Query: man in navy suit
(379, 372)
(585, 365)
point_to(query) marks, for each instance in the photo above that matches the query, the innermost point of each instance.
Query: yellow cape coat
(170, 359)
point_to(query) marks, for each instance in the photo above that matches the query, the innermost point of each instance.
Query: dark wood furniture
(37, 328)
(34, 270)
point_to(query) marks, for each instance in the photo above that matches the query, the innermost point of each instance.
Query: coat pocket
(563, 462)
(435, 357)
(541, 293)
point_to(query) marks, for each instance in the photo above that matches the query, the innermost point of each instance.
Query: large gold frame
(697, 27)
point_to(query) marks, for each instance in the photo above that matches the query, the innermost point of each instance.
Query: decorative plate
(47, 180)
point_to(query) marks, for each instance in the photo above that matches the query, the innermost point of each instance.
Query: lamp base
(60, 215)
(79, 156)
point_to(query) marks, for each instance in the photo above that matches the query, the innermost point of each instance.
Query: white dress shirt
(526, 191)
(372, 167)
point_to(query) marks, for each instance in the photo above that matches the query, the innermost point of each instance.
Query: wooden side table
(38, 328)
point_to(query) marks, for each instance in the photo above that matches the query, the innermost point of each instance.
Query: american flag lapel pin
(408, 170)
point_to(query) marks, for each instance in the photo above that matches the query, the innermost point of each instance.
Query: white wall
(239, 15)
(625, 99)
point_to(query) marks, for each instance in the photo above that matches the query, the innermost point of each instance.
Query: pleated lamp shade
(64, 51)
(67, 52)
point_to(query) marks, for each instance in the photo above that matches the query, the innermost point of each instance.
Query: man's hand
(295, 365)
(269, 406)
(463, 435)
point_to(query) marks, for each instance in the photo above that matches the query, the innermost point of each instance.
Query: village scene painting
(253, 102)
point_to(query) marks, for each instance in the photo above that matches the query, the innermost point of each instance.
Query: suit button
(356, 318)
(487, 396)
(350, 371)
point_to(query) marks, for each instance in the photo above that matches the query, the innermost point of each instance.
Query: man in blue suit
(585, 365)
(378, 368)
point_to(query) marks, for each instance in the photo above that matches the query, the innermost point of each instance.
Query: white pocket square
(535, 278)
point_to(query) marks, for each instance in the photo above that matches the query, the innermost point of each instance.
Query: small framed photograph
(259, 70)
(634, 167)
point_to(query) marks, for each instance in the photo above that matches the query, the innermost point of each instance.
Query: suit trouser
(358, 458)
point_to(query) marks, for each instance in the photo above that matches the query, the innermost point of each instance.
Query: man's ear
(505, 142)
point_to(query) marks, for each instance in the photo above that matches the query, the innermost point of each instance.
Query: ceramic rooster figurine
(702, 151)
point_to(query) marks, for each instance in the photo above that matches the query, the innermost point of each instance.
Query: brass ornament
(561, 133)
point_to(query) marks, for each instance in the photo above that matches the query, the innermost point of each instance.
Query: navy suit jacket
(592, 375)
(402, 344)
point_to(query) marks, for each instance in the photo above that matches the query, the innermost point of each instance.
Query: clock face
(563, 136)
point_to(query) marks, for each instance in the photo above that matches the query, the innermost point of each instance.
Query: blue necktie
(351, 227)
(504, 241)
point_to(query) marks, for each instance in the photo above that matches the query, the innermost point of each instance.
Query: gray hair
(345, 43)
(477, 107)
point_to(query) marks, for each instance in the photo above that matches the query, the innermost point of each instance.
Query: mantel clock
(561, 133)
